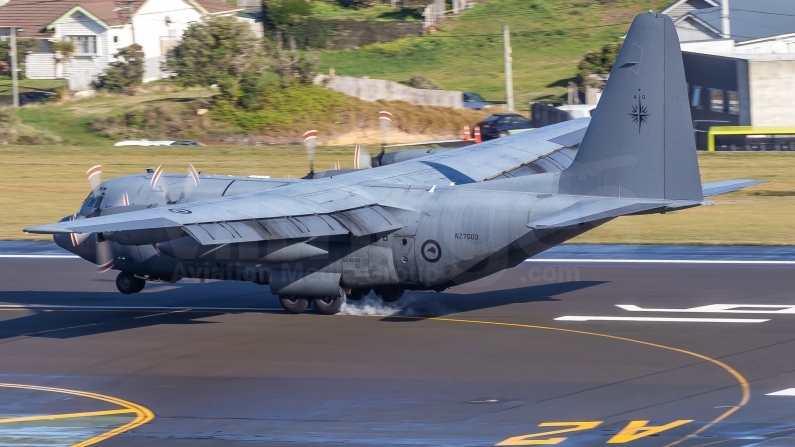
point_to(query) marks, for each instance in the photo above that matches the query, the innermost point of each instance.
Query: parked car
(475, 102)
(500, 124)
(157, 143)
(33, 97)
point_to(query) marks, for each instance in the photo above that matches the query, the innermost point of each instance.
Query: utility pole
(726, 32)
(14, 80)
(508, 68)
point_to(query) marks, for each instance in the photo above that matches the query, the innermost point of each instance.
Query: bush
(422, 82)
(213, 49)
(285, 13)
(13, 131)
(125, 73)
(598, 61)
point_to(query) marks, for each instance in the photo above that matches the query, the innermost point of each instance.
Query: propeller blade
(310, 141)
(190, 185)
(361, 158)
(385, 120)
(104, 256)
(94, 175)
(79, 238)
(337, 166)
(125, 199)
(156, 176)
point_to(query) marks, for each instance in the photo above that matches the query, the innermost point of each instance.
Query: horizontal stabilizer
(715, 188)
(593, 209)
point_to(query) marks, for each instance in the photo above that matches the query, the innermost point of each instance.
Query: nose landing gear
(128, 283)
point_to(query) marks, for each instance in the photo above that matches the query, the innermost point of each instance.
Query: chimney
(724, 15)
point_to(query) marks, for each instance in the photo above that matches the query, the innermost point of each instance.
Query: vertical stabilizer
(640, 141)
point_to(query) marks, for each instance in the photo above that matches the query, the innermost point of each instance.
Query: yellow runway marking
(742, 381)
(142, 414)
(50, 417)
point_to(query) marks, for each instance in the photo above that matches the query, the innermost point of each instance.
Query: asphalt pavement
(561, 351)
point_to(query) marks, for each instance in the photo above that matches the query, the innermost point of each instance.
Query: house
(99, 28)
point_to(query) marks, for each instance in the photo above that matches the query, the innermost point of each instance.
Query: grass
(548, 38)
(43, 184)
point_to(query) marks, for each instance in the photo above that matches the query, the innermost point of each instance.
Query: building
(99, 28)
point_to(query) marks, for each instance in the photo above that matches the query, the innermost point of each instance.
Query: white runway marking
(787, 392)
(40, 256)
(664, 319)
(721, 308)
(662, 261)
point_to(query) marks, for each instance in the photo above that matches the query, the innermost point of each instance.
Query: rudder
(640, 141)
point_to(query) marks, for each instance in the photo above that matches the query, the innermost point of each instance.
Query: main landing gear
(128, 283)
(324, 305)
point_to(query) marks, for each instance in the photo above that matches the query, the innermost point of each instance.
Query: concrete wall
(376, 89)
(772, 88)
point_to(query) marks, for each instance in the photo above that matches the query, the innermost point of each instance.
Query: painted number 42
(634, 430)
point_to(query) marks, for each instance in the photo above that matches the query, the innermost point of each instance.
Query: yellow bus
(751, 138)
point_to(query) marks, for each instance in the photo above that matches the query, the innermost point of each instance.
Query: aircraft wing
(591, 209)
(334, 205)
(715, 188)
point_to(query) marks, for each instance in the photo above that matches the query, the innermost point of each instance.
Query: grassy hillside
(548, 38)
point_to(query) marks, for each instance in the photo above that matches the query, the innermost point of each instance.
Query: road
(540, 348)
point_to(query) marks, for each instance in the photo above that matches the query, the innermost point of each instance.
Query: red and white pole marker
(156, 176)
(467, 135)
(478, 138)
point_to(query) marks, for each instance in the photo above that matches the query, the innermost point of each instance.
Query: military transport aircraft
(422, 224)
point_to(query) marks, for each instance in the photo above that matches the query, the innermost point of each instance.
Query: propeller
(94, 175)
(189, 185)
(361, 158)
(310, 141)
(103, 254)
(385, 121)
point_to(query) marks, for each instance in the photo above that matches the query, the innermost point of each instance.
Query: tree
(598, 61)
(283, 14)
(24, 46)
(63, 49)
(292, 65)
(125, 73)
(216, 48)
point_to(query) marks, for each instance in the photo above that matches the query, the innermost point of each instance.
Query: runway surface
(590, 353)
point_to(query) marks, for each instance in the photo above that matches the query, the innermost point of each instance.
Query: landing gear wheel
(357, 294)
(294, 304)
(329, 305)
(128, 283)
(389, 294)
(503, 134)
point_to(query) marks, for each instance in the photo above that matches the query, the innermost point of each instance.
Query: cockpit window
(100, 197)
(90, 200)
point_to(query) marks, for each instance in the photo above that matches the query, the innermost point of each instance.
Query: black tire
(389, 294)
(329, 305)
(294, 304)
(503, 134)
(127, 283)
(357, 294)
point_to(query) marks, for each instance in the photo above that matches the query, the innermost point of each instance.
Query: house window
(115, 39)
(84, 44)
(695, 97)
(734, 102)
(5, 34)
(716, 100)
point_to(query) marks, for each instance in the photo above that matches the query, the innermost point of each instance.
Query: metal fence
(377, 89)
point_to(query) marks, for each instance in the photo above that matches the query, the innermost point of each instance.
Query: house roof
(751, 19)
(36, 18)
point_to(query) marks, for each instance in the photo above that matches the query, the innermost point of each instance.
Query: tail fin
(640, 141)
